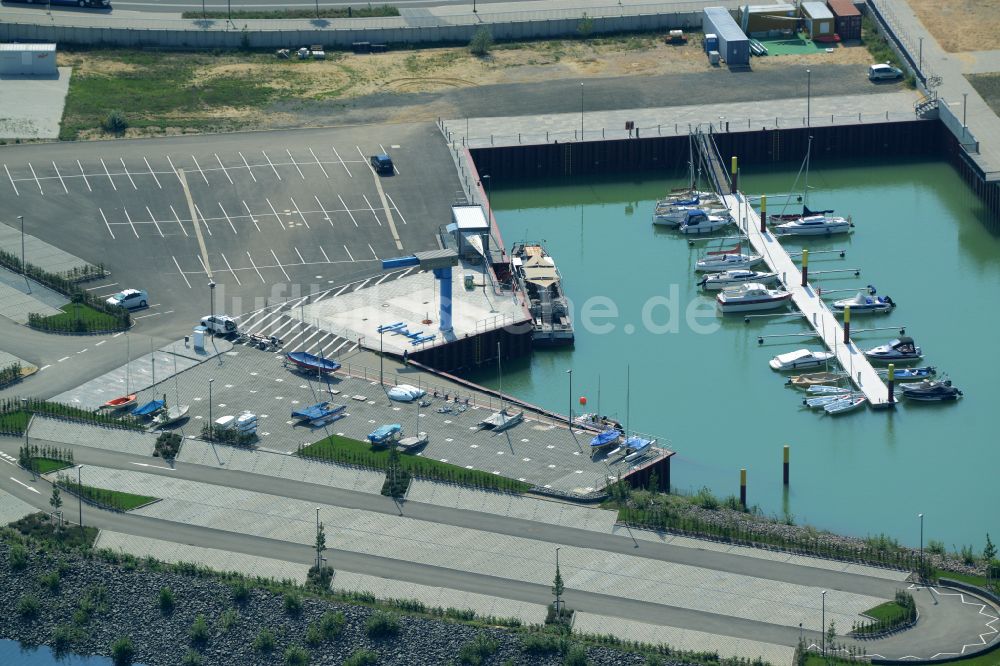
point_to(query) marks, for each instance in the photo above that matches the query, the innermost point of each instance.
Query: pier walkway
(808, 300)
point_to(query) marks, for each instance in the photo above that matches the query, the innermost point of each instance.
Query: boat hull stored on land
(309, 362)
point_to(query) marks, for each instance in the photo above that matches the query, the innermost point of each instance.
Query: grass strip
(111, 499)
(887, 612)
(344, 450)
(46, 465)
(79, 318)
(324, 13)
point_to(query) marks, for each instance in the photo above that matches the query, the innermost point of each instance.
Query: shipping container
(28, 60)
(734, 46)
(846, 18)
(768, 20)
(818, 21)
(711, 43)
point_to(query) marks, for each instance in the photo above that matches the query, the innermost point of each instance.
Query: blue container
(734, 46)
(711, 43)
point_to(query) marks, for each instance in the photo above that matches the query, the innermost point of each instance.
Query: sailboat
(501, 420)
(178, 411)
(635, 447)
(128, 399)
(810, 222)
(153, 406)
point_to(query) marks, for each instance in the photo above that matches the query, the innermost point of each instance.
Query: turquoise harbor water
(13, 653)
(711, 394)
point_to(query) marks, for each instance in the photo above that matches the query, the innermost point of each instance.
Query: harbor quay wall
(474, 350)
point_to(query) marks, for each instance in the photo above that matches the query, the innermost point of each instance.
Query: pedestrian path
(12, 508)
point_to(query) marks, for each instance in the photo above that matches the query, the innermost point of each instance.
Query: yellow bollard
(743, 488)
(892, 383)
(785, 466)
(847, 324)
(805, 267)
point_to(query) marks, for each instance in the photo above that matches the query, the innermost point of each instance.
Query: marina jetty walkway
(808, 301)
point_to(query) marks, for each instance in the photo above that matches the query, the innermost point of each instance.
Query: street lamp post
(558, 615)
(569, 417)
(822, 628)
(921, 517)
(211, 301)
(211, 423)
(920, 58)
(203, 14)
(965, 106)
(319, 555)
(581, 111)
(808, 97)
(380, 357)
(79, 494)
(27, 448)
(24, 265)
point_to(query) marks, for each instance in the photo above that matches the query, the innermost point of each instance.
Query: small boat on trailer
(605, 439)
(931, 391)
(149, 408)
(716, 281)
(501, 420)
(594, 420)
(171, 415)
(751, 298)
(312, 363)
(121, 402)
(816, 379)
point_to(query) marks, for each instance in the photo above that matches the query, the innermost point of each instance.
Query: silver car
(130, 299)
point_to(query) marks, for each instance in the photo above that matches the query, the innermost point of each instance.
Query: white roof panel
(469, 218)
(28, 47)
(817, 10)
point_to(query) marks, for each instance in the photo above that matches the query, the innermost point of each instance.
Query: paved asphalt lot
(281, 213)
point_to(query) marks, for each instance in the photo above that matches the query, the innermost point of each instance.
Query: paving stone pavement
(16, 302)
(219, 560)
(12, 508)
(484, 553)
(112, 439)
(681, 639)
(483, 605)
(281, 465)
(37, 251)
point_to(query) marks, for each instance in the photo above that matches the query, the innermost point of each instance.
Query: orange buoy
(583, 400)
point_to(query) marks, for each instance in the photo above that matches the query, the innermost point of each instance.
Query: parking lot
(279, 214)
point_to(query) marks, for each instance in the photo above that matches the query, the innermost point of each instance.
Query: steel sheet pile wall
(734, 46)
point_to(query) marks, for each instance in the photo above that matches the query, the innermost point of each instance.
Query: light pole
(211, 301)
(921, 517)
(24, 265)
(380, 357)
(211, 423)
(920, 58)
(569, 417)
(808, 97)
(822, 628)
(581, 111)
(319, 555)
(27, 448)
(203, 15)
(558, 614)
(965, 102)
(79, 494)
(317, 8)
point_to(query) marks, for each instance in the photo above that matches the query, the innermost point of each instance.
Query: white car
(884, 72)
(130, 299)
(220, 324)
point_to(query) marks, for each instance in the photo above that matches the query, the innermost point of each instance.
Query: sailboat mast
(805, 195)
(628, 397)
(500, 376)
(128, 361)
(598, 396)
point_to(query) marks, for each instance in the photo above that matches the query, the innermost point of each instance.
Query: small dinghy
(405, 393)
(120, 402)
(822, 401)
(826, 390)
(910, 374)
(848, 404)
(815, 379)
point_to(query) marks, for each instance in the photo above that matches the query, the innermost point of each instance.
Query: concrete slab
(38, 252)
(32, 108)
(19, 298)
(219, 560)
(12, 508)
(682, 639)
(9, 359)
(66, 432)
(483, 605)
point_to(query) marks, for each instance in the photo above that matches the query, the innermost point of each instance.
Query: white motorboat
(848, 404)
(931, 391)
(722, 262)
(674, 216)
(863, 303)
(700, 222)
(801, 358)
(751, 297)
(815, 225)
(716, 281)
(900, 349)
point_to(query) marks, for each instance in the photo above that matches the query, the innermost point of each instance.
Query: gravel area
(160, 638)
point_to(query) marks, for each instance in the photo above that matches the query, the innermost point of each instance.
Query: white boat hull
(818, 230)
(704, 227)
(769, 304)
(743, 261)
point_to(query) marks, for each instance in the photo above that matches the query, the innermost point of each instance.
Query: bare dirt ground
(961, 25)
(192, 92)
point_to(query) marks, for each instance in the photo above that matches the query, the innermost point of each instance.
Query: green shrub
(331, 624)
(935, 546)
(706, 500)
(296, 655)
(361, 658)
(482, 42)
(539, 643)
(381, 625)
(227, 620)
(264, 642)
(968, 555)
(166, 600)
(576, 656)
(241, 592)
(62, 639)
(28, 607)
(115, 122)
(199, 631)
(50, 581)
(477, 651)
(319, 577)
(18, 557)
(292, 604)
(122, 651)
(192, 658)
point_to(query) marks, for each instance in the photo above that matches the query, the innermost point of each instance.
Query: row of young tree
(14, 410)
(904, 618)
(10, 374)
(29, 452)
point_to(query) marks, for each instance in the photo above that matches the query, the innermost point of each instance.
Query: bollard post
(546, 136)
(743, 488)
(784, 467)
(735, 172)
(847, 324)
(892, 383)
(519, 137)
(491, 139)
(805, 267)
(763, 213)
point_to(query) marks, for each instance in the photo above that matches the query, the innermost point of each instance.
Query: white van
(220, 324)
(884, 72)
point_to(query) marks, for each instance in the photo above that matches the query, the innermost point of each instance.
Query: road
(945, 619)
(178, 6)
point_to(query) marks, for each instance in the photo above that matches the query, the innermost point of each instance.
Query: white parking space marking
(224, 168)
(314, 334)
(373, 251)
(342, 162)
(180, 271)
(227, 217)
(300, 256)
(280, 266)
(272, 164)
(361, 285)
(348, 211)
(324, 253)
(174, 169)
(326, 213)
(253, 218)
(256, 269)
(102, 286)
(201, 172)
(108, 173)
(365, 159)
(125, 169)
(37, 182)
(294, 164)
(372, 209)
(395, 208)
(230, 267)
(151, 172)
(345, 249)
(129, 218)
(153, 218)
(176, 217)
(106, 223)
(60, 178)
(204, 268)
(248, 167)
(64, 358)
(299, 211)
(84, 174)
(339, 346)
(318, 163)
(278, 217)
(342, 289)
(11, 180)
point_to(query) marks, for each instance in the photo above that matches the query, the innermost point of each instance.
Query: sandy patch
(961, 25)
